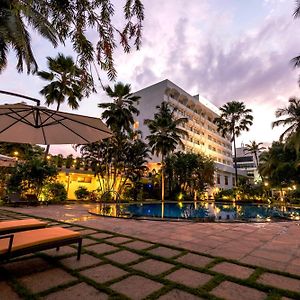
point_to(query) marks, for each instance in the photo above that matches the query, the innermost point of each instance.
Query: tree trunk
(162, 180)
(235, 165)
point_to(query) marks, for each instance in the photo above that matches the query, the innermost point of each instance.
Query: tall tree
(65, 82)
(190, 172)
(234, 119)
(15, 16)
(279, 166)
(73, 20)
(21, 151)
(116, 161)
(291, 115)
(165, 136)
(254, 149)
(119, 114)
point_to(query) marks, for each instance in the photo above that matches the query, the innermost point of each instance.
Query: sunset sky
(221, 49)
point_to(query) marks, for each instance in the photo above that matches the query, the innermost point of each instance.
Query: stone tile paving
(136, 287)
(178, 295)
(45, 280)
(153, 266)
(189, 278)
(123, 265)
(233, 270)
(7, 292)
(195, 260)
(104, 273)
(232, 291)
(280, 282)
(78, 292)
(123, 257)
(86, 260)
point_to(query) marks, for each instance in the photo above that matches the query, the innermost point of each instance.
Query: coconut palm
(165, 135)
(119, 114)
(254, 149)
(75, 21)
(65, 82)
(234, 119)
(15, 16)
(292, 119)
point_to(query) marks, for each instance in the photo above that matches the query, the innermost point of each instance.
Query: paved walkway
(159, 260)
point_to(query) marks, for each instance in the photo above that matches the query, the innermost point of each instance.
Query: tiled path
(129, 259)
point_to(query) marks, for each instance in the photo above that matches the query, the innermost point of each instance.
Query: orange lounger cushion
(37, 237)
(19, 224)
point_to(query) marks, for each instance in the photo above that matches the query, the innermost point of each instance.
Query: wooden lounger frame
(19, 229)
(54, 244)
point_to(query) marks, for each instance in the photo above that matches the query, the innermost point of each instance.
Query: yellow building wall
(72, 181)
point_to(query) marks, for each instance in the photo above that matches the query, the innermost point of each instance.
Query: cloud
(223, 50)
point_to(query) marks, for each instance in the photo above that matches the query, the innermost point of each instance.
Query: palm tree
(254, 148)
(58, 21)
(164, 136)
(14, 17)
(234, 119)
(292, 120)
(119, 114)
(65, 82)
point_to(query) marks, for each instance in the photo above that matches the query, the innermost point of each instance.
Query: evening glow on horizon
(222, 50)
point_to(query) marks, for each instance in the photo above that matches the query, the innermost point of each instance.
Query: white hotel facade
(202, 135)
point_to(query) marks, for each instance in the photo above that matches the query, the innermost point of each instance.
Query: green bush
(293, 196)
(82, 193)
(31, 176)
(55, 192)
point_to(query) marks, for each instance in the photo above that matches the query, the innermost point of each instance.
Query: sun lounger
(15, 199)
(20, 225)
(21, 243)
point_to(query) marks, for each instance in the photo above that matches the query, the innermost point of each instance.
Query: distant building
(202, 132)
(246, 162)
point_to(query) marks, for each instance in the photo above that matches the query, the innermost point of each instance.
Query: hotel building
(202, 135)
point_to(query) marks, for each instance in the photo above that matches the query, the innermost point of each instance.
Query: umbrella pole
(46, 152)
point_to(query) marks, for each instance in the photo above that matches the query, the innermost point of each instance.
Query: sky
(223, 50)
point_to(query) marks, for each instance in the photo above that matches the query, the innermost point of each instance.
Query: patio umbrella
(22, 123)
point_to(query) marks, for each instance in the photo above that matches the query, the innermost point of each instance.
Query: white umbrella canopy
(22, 123)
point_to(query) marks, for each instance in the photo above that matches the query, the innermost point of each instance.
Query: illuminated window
(136, 125)
(218, 179)
(226, 180)
(84, 179)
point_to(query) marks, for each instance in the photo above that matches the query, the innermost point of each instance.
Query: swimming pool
(202, 211)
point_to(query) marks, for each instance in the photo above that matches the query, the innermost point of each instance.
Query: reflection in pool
(204, 211)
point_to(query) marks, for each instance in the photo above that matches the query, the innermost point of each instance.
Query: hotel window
(218, 179)
(226, 180)
(136, 125)
(84, 179)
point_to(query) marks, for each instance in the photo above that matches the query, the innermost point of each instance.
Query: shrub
(55, 192)
(82, 193)
(31, 176)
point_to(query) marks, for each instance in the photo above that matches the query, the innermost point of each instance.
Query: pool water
(204, 211)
